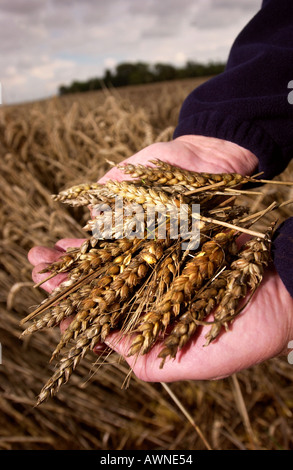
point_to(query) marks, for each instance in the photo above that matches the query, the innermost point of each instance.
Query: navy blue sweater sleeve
(249, 104)
(282, 252)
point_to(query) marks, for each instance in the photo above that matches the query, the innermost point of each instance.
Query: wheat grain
(200, 307)
(246, 273)
(150, 286)
(166, 174)
(201, 268)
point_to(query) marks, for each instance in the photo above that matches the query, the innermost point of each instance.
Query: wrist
(227, 156)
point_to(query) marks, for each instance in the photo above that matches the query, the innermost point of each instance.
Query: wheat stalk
(150, 287)
(246, 272)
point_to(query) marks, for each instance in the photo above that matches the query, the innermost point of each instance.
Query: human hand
(261, 331)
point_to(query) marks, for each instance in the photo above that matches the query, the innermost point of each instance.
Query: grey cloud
(249, 5)
(160, 9)
(222, 13)
(15, 37)
(19, 7)
(164, 18)
(86, 12)
(80, 35)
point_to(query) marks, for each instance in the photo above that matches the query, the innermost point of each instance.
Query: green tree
(164, 72)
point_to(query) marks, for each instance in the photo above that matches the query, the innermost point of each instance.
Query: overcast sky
(46, 43)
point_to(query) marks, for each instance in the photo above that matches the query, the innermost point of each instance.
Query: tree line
(128, 73)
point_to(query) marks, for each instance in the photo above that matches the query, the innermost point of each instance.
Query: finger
(147, 367)
(42, 254)
(242, 239)
(50, 284)
(66, 243)
(101, 349)
(193, 362)
(113, 174)
(252, 339)
(65, 323)
(143, 157)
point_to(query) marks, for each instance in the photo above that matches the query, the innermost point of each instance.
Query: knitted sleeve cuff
(246, 134)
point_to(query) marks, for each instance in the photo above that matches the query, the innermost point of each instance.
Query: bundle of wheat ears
(133, 277)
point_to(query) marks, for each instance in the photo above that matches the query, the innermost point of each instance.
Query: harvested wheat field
(51, 145)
